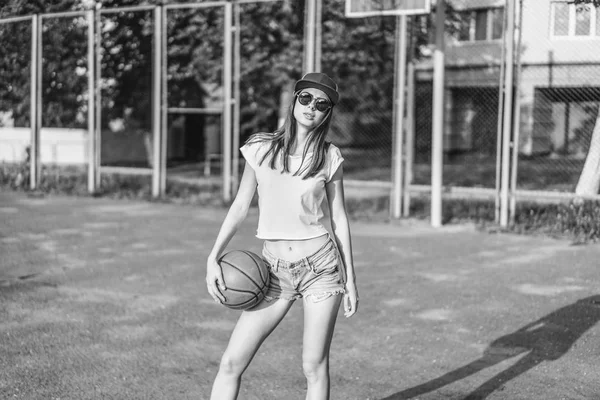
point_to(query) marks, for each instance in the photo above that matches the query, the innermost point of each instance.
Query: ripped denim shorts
(317, 276)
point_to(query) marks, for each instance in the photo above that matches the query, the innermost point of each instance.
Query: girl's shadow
(546, 339)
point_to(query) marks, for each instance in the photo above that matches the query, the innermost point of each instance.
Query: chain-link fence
(194, 65)
(16, 82)
(270, 58)
(554, 134)
(363, 120)
(15, 86)
(473, 59)
(471, 133)
(125, 80)
(559, 94)
(62, 83)
(556, 91)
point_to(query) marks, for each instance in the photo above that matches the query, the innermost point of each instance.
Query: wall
(70, 146)
(538, 46)
(58, 145)
(547, 62)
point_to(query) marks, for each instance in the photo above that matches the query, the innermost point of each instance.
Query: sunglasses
(321, 104)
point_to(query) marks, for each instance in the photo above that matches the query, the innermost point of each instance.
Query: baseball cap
(319, 81)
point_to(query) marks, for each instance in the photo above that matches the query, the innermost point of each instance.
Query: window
(561, 19)
(574, 20)
(583, 21)
(497, 23)
(480, 24)
(597, 21)
(464, 28)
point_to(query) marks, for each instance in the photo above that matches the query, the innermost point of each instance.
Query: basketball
(246, 279)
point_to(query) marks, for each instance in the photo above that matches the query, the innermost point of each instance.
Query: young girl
(294, 169)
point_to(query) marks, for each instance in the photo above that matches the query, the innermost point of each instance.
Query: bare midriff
(293, 250)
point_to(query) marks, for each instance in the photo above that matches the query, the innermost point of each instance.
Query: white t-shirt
(290, 208)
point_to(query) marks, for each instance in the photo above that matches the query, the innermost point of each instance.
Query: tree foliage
(595, 3)
(62, 87)
(194, 66)
(358, 52)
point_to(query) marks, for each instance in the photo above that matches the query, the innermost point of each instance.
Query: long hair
(283, 140)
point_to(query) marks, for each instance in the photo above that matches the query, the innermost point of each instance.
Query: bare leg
(251, 330)
(319, 322)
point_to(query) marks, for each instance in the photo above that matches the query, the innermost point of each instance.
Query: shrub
(73, 181)
(577, 220)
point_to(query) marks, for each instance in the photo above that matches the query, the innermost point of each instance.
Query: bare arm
(235, 216)
(341, 233)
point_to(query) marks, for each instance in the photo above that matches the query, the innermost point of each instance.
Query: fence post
(310, 12)
(516, 119)
(497, 202)
(318, 34)
(92, 148)
(507, 113)
(158, 186)
(98, 94)
(399, 89)
(36, 101)
(437, 140)
(236, 94)
(410, 138)
(33, 98)
(163, 78)
(227, 93)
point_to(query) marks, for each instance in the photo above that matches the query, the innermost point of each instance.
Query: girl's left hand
(350, 300)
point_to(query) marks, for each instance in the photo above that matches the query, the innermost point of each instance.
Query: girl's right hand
(214, 280)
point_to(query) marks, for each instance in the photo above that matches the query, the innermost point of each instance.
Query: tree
(14, 67)
(358, 52)
(63, 55)
(271, 53)
(595, 3)
(126, 67)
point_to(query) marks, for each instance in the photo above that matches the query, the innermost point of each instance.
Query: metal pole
(507, 117)
(256, 1)
(516, 120)
(98, 91)
(157, 187)
(36, 100)
(205, 4)
(410, 138)
(192, 110)
(392, 196)
(164, 114)
(318, 34)
(236, 95)
(113, 10)
(309, 36)
(63, 14)
(33, 120)
(499, 127)
(92, 166)
(437, 140)
(227, 92)
(15, 19)
(399, 113)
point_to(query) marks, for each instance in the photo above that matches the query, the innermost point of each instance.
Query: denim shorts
(317, 276)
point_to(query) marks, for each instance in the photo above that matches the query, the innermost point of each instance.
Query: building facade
(558, 85)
